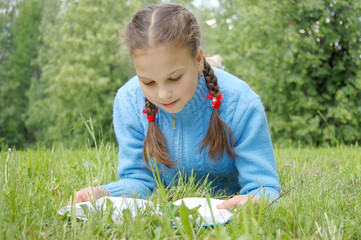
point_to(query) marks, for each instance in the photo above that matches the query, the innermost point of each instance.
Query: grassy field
(322, 198)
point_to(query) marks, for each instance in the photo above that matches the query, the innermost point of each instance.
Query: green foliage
(61, 63)
(36, 121)
(81, 70)
(303, 58)
(21, 39)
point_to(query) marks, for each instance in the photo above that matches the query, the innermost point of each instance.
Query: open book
(208, 213)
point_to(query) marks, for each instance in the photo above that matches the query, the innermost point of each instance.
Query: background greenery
(304, 59)
(61, 64)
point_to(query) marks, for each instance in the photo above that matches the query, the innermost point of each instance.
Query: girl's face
(168, 76)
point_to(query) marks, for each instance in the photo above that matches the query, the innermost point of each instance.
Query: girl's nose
(164, 93)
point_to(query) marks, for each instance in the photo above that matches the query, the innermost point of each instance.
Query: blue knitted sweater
(253, 172)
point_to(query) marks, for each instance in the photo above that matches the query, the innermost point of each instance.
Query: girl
(189, 116)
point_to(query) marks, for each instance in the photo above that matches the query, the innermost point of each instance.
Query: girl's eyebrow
(168, 75)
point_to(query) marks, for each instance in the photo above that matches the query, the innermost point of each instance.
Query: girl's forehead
(161, 49)
(158, 61)
(161, 56)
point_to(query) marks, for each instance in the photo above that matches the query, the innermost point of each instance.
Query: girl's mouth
(170, 104)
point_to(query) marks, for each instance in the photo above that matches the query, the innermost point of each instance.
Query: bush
(304, 59)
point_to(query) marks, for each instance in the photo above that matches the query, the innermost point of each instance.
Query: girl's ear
(200, 60)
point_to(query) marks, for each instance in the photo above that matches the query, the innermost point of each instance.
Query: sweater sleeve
(256, 162)
(135, 178)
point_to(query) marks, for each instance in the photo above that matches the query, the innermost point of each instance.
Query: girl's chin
(172, 110)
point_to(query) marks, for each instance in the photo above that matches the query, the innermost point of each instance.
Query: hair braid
(155, 142)
(211, 79)
(219, 136)
(151, 108)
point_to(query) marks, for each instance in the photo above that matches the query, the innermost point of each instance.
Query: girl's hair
(175, 26)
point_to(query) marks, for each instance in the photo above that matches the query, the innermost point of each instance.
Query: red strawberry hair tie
(150, 118)
(216, 101)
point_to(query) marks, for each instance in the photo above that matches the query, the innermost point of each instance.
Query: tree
(21, 38)
(303, 58)
(6, 17)
(82, 68)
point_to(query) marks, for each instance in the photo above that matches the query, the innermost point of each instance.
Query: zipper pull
(173, 121)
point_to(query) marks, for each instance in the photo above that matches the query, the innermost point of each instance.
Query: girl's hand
(237, 200)
(89, 194)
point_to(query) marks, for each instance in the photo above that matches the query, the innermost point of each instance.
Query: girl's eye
(148, 83)
(176, 78)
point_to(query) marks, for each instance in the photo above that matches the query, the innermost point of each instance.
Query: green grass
(322, 198)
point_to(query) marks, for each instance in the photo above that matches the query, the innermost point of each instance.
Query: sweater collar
(198, 100)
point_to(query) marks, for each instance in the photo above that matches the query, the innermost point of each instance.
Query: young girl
(189, 116)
